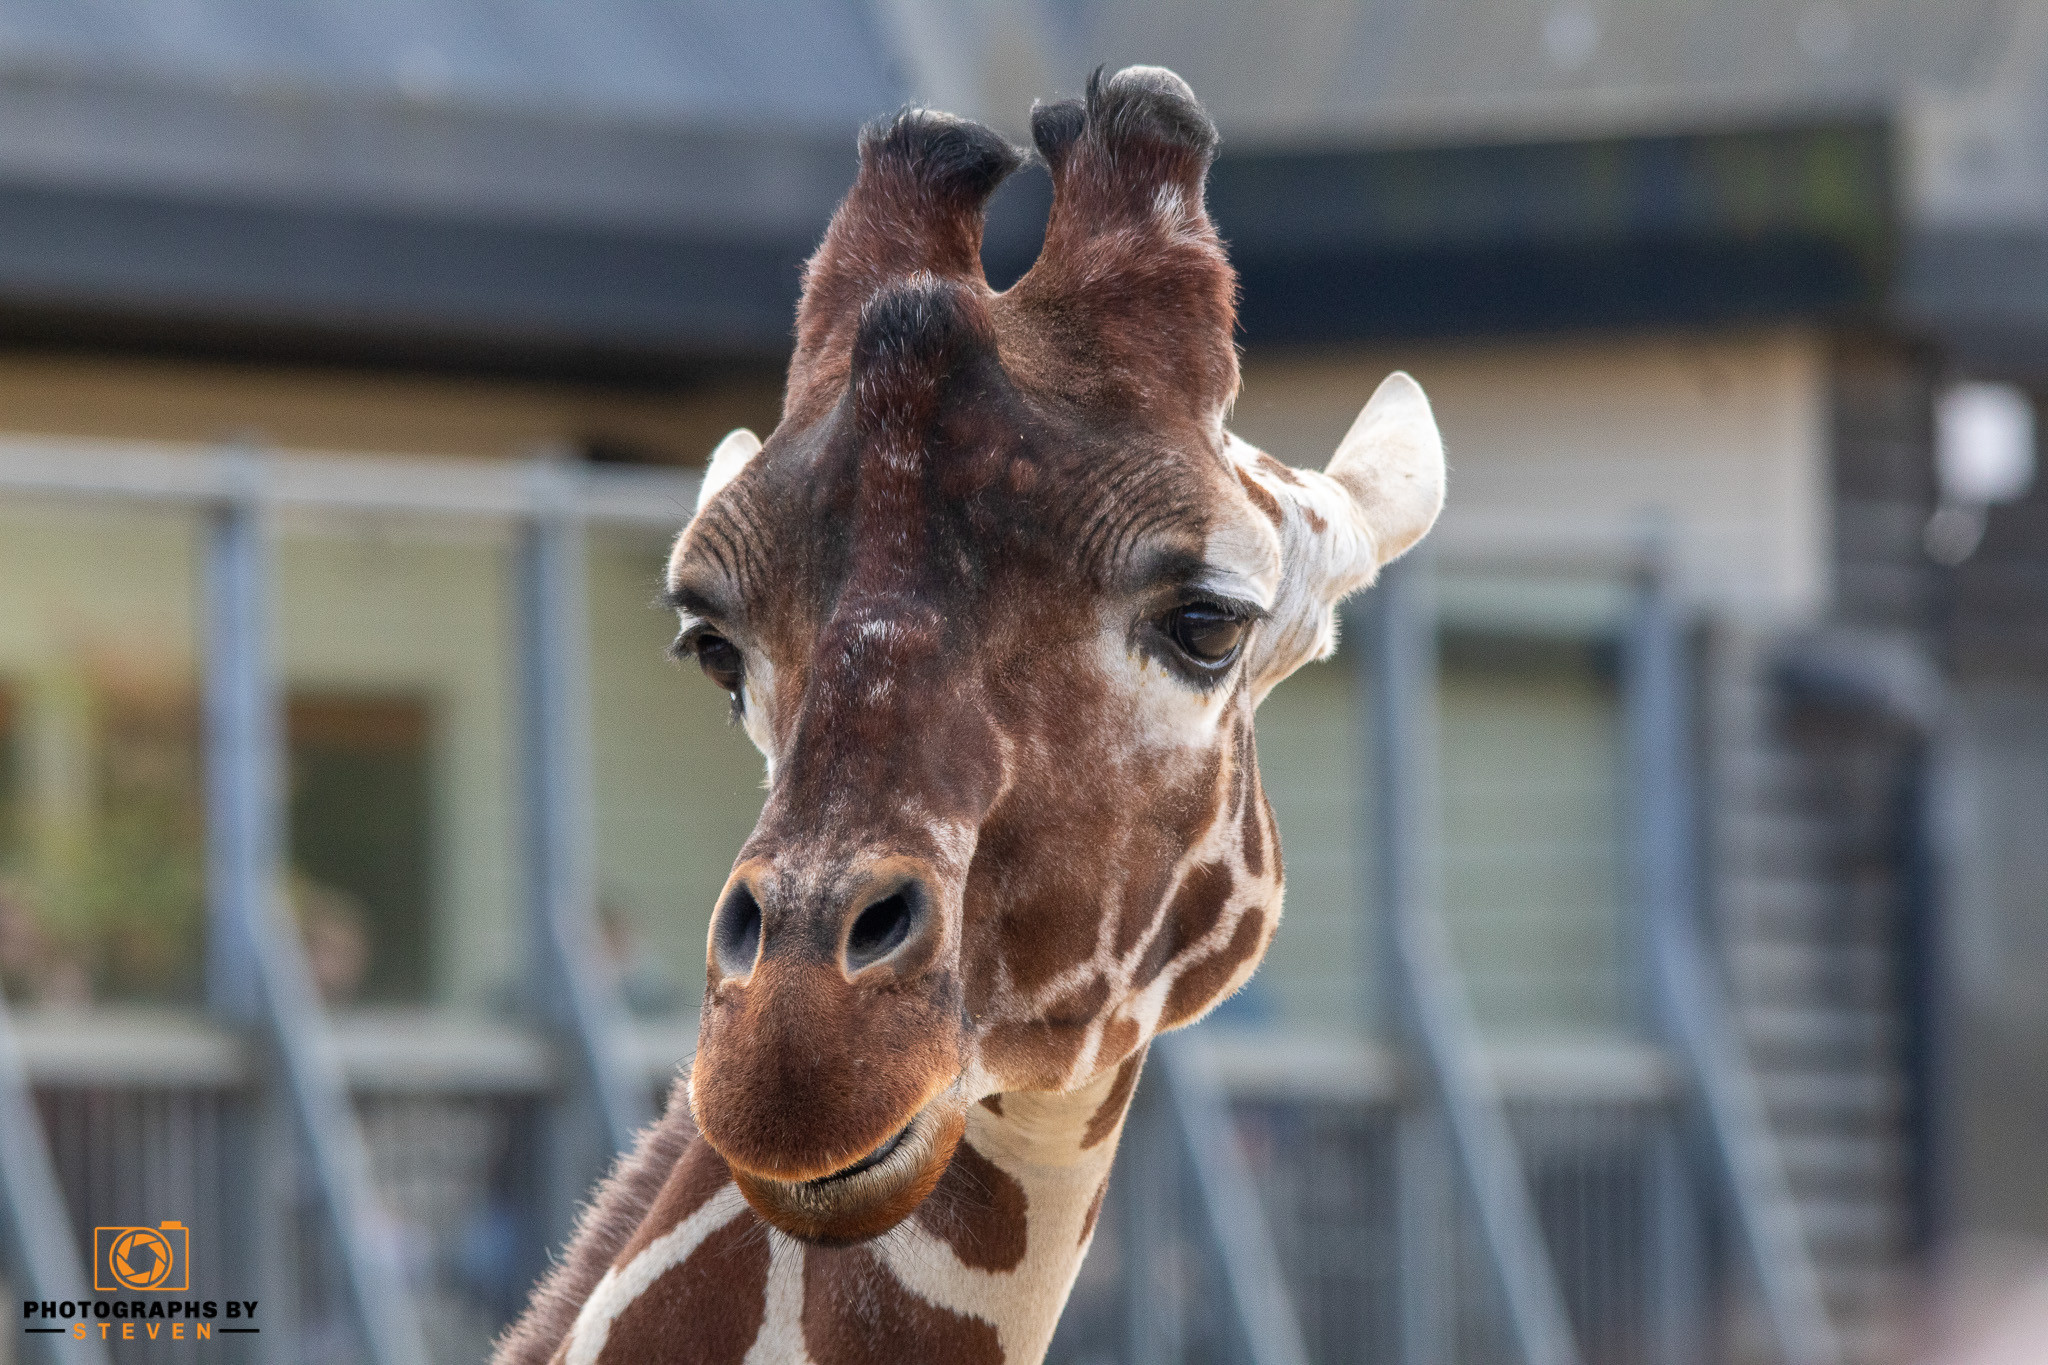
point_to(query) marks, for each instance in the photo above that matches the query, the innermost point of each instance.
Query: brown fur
(1094, 1212)
(706, 1311)
(855, 1313)
(1110, 1112)
(1198, 987)
(980, 1211)
(1147, 301)
(915, 208)
(607, 1224)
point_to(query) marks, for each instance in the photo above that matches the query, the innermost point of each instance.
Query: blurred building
(1701, 275)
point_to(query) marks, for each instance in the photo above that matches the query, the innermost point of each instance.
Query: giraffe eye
(720, 659)
(1207, 633)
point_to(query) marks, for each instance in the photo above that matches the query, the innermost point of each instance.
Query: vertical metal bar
(255, 964)
(1431, 1008)
(1684, 986)
(1425, 1232)
(242, 752)
(1234, 1220)
(1148, 1184)
(260, 1134)
(1398, 816)
(1675, 1278)
(33, 1219)
(1659, 844)
(271, 1212)
(606, 1104)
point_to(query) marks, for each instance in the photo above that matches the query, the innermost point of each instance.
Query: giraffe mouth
(868, 1162)
(868, 1197)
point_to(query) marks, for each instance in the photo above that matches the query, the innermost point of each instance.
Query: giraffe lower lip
(867, 1198)
(870, 1161)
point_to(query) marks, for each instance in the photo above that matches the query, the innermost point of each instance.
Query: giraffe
(996, 600)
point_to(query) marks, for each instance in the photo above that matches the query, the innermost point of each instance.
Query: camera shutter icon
(142, 1259)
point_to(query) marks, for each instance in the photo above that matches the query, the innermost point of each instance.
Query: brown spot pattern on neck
(856, 1313)
(980, 1211)
(706, 1311)
(1110, 1112)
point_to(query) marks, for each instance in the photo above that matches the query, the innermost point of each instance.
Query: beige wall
(424, 609)
(1727, 436)
(310, 409)
(1548, 440)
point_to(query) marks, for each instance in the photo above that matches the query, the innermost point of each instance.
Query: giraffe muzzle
(830, 1051)
(869, 1196)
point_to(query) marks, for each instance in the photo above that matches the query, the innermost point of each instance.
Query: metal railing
(1316, 1122)
(257, 973)
(1181, 1128)
(32, 1213)
(559, 802)
(1432, 1012)
(1682, 980)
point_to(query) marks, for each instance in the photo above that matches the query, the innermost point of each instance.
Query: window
(361, 844)
(1532, 860)
(1533, 852)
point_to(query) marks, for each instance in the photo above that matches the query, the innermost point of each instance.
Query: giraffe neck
(978, 1275)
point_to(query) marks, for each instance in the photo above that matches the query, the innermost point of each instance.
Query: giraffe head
(996, 600)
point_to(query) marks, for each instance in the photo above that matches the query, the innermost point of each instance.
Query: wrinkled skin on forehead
(996, 601)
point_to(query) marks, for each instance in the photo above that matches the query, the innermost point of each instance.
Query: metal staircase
(1806, 899)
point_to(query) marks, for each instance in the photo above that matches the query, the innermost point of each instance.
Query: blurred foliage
(102, 890)
(114, 908)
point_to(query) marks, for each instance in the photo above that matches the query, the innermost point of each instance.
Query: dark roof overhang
(1795, 221)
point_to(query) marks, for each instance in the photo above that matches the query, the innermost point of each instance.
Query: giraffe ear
(731, 456)
(1391, 467)
(1379, 495)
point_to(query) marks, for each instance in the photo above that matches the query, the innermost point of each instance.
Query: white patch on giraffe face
(1246, 556)
(1168, 711)
(954, 839)
(621, 1285)
(1241, 565)
(1173, 711)
(1326, 555)
(757, 704)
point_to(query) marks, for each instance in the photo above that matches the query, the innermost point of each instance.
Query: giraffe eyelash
(1201, 637)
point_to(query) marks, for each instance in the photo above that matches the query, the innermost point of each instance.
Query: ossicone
(1139, 107)
(950, 159)
(916, 209)
(1131, 260)
(910, 339)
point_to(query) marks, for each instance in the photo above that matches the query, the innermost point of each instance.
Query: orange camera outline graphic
(174, 1237)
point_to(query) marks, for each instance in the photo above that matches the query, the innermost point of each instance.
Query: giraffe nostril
(736, 937)
(883, 927)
